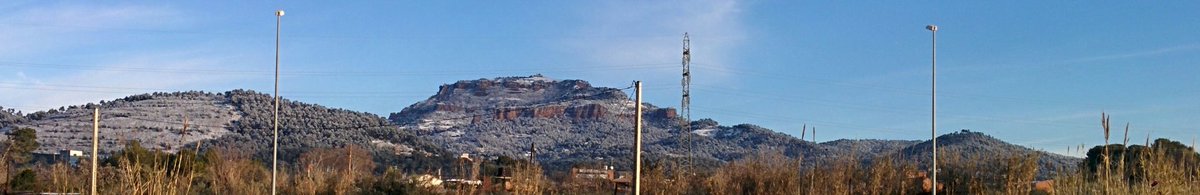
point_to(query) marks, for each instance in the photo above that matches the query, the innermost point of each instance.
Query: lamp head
(278, 12)
(930, 27)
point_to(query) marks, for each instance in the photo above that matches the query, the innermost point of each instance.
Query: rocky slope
(156, 120)
(566, 121)
(966, 143)
(237, 119)
(570, 121)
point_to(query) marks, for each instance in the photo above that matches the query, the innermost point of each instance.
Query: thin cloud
(41, 33)
(1134, 54)
(106, 16)
(112, 80)
(48, 28)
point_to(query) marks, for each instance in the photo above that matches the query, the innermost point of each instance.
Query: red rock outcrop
(506, 114)
(664, 113)
(549, 111)
(590, 111)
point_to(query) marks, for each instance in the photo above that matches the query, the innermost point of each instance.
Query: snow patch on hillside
(528, 80)
(708, 132)
(399, 149)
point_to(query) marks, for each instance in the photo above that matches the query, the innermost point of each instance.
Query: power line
(791, 100)
(374, 37)
(902, 90)
(787, 99)
(93, 89)
(796, 120)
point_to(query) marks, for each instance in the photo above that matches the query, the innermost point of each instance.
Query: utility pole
(637, 146)
(812, 178)
(95, 144)
(803, 130)
(685, 110)
(933, 109)
(275, 139)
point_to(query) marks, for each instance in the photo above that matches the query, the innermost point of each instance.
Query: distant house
(605, 173)
(624, 183)
(605, 177)
(71, 157)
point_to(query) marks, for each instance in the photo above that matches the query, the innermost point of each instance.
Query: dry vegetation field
(1158, 167)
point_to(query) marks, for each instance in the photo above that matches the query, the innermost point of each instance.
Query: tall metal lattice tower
(685, 110)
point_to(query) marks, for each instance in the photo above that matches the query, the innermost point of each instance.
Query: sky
(1033, 73)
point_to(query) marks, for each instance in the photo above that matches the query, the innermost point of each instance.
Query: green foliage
(22, 142)
(304, 126)
(24, 181)
(1133, 156)
(137, 155)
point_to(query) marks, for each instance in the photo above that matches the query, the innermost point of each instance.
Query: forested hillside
(237, 119)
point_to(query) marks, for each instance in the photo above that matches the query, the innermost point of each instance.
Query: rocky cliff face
(565, 121)
(569, 121)
(511, 98)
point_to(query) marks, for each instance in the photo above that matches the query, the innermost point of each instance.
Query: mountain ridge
(565, 121)
(531, 111)
(238, 119)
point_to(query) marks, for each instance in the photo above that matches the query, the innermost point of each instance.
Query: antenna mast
(685, 110)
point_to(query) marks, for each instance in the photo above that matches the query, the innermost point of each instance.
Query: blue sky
(1029, 72)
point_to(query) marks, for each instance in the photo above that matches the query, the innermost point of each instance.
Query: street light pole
(933, 109)
(275, 139)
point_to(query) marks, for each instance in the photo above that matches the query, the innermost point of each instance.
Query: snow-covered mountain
(571, 121)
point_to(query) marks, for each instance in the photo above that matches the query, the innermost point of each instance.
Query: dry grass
(331, 171)
(664, 178)
(63, 178)
(1159, 167)
(528, 178)
(232, 172)
(764, 173)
